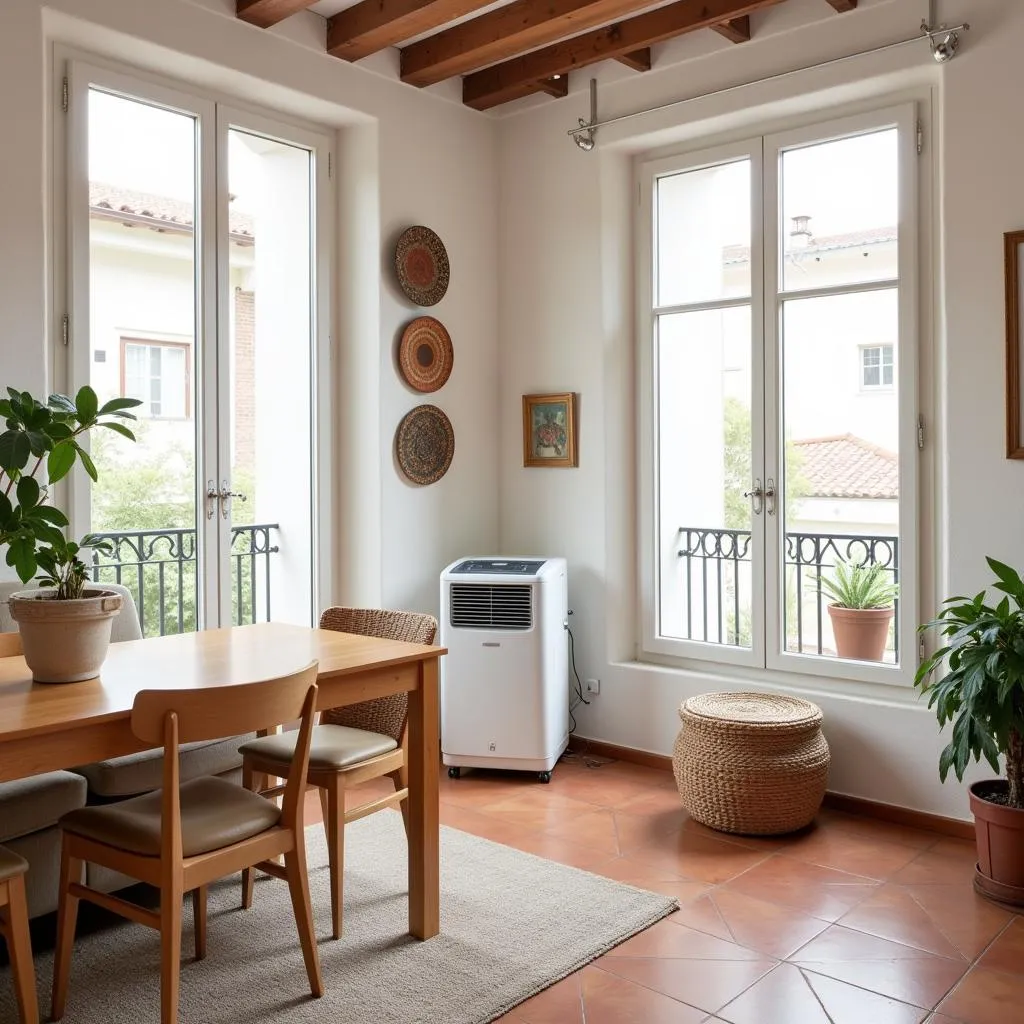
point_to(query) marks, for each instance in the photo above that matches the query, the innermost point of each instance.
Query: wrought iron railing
(159, 568)
(716, 583)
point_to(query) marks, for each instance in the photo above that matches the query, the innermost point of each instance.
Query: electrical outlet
(592, 685)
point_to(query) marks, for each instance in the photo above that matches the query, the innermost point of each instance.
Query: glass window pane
(174, 383)
(840, 212)
(704, 465)
(840, 490)
(703, 220)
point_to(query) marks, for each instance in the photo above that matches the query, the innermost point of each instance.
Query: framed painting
(1013, 250)
(549, 430)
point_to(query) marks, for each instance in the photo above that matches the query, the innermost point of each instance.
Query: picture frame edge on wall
(571, 458)
(1013, 261)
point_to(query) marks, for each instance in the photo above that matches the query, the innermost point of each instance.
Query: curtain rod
(942, 51)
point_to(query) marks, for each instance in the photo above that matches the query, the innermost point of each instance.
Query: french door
(196, 284)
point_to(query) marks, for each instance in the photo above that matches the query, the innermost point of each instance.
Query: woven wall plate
(422, 265)
(425, 354)
(425, 444)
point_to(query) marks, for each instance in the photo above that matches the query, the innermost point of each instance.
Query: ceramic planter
(64, 641)
(860, 633)
(999, 831)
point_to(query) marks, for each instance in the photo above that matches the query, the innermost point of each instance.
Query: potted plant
(65, 628)
(861, 608)
(976, 681)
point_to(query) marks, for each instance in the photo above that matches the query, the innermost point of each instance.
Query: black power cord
(580, 699)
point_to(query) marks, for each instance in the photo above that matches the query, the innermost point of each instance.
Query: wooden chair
(181, 838)
(14, 928)
(350, 746)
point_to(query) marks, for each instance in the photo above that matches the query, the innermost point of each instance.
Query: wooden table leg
(424, 755)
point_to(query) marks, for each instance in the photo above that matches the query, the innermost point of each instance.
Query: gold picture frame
(1013, 259)
(549, 430)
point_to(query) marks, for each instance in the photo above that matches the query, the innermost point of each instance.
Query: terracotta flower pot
(64, 641)
(860, 633)
(999, 831)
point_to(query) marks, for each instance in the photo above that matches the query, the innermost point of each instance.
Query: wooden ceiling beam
(494, 85)
(506, 32)
(842, 5)
(736, 30)
(556, 87)
(377, 24)
(638, 60)
(264, 13)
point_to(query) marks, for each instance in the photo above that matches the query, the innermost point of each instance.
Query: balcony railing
(716, 582)
(159, 568)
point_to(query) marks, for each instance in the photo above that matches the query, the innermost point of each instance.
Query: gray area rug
(511, 924)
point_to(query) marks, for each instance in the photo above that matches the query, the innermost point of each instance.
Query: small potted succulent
(861, 608)
(65, 628)
(976, 681)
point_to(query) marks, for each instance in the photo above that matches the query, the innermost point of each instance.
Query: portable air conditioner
(505, 680)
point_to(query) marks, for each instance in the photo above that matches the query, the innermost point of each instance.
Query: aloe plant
(859, 586)
(39, 447)
(976, 680)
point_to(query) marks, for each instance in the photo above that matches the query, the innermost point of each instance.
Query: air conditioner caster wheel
(454, 773)
(544, 776)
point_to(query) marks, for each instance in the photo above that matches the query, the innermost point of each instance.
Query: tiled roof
(153, 211)
(845, 466)
(734, 254)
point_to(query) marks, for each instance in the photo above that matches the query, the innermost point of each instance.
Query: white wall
(404, 157)
(567, 324)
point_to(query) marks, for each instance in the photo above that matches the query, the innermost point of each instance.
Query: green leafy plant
(981, 690)
(858, 586)
(39, 446)
(63, 569)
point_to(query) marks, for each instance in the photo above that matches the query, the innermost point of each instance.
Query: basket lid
(752, 708)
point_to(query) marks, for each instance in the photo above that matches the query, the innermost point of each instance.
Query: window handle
(769, 493)
(756, 497)
(226, 495)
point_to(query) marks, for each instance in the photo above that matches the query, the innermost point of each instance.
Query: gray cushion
(142, 772)
(334, 746)
(214, 814)
(32, 804)
(124, 627)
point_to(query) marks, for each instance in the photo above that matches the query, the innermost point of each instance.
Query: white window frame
(863, 350)
(213, 111)
(768, 550)
(137, 340)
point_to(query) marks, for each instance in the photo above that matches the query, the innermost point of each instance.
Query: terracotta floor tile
(550, 847)
(700, 858)
(656, 800)
(868, 828)
(609, 999)
(537, 810)
(949, 862)
(848, 1005)
(844, 851)
(1007, 952)
(596, 829)
(941, 1018)
(666, 939)
(770, 844)
(818, 891)
(783, 995)
(562, 1003)
(901, 972)
(706, 984)
(986, 997)
(468, 820)
(766, 927)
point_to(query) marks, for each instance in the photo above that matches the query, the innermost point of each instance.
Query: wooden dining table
(44, 727)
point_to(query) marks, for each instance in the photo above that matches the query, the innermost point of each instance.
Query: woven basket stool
(753, 763)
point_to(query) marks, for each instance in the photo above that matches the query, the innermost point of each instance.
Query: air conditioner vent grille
(491, 606)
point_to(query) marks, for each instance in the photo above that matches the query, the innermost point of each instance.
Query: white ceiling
(328, 7)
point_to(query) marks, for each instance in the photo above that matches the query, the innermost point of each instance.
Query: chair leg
(332, 800)
(400, 777)
(253, 781)
(20, 949)
(67, 917)
(199, 919)
(170, 955)
(298, 887)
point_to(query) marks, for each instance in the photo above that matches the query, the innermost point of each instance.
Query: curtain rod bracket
(584, 135)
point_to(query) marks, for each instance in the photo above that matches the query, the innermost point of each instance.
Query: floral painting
(549, 430)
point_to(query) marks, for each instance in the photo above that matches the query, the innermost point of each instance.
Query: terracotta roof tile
(155, 211)
(845, 466)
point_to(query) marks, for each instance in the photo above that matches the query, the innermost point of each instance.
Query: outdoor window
(158, 375)
(876, 366)
(777, 283)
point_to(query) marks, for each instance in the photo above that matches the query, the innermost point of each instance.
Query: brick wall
(245, 380)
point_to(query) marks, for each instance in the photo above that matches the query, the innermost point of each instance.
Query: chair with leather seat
(351, 746)
(14, 928)
(186, 835)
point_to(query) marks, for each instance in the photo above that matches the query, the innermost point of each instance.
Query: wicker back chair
(385, 715)
(351, 745)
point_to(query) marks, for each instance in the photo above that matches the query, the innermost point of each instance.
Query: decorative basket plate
(422, 265)
(425, 444)
(425, 354)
